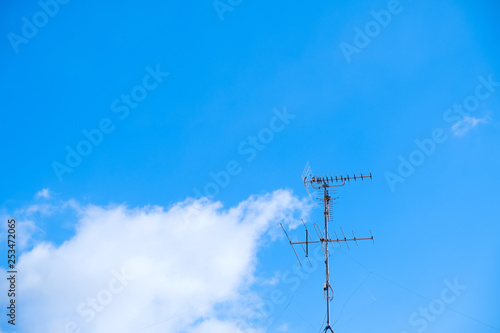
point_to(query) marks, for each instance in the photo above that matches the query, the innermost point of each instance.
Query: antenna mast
(323, 185)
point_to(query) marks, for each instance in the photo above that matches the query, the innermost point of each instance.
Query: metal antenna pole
(323, 184)
(327, 258)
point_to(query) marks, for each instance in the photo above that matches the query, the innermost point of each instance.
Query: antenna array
(322, 185)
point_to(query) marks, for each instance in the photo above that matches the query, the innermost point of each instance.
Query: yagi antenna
(323, 185)
(306, 176)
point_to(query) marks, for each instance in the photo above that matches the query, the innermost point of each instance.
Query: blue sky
(174, 94)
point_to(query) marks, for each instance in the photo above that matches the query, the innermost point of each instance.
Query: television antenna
(322, 185)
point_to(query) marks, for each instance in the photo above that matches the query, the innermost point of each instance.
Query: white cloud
(44, 193)
(466, 124)
(186, 274)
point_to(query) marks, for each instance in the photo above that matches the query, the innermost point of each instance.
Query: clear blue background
(226, 77)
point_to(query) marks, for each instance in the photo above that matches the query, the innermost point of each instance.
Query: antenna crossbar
(335, 240)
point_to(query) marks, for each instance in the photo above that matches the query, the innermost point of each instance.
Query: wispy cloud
(465, 125)
(42, 209)
(186, 275)
(282, 328)
(271, 281)
(27, 232)
(44, 193)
